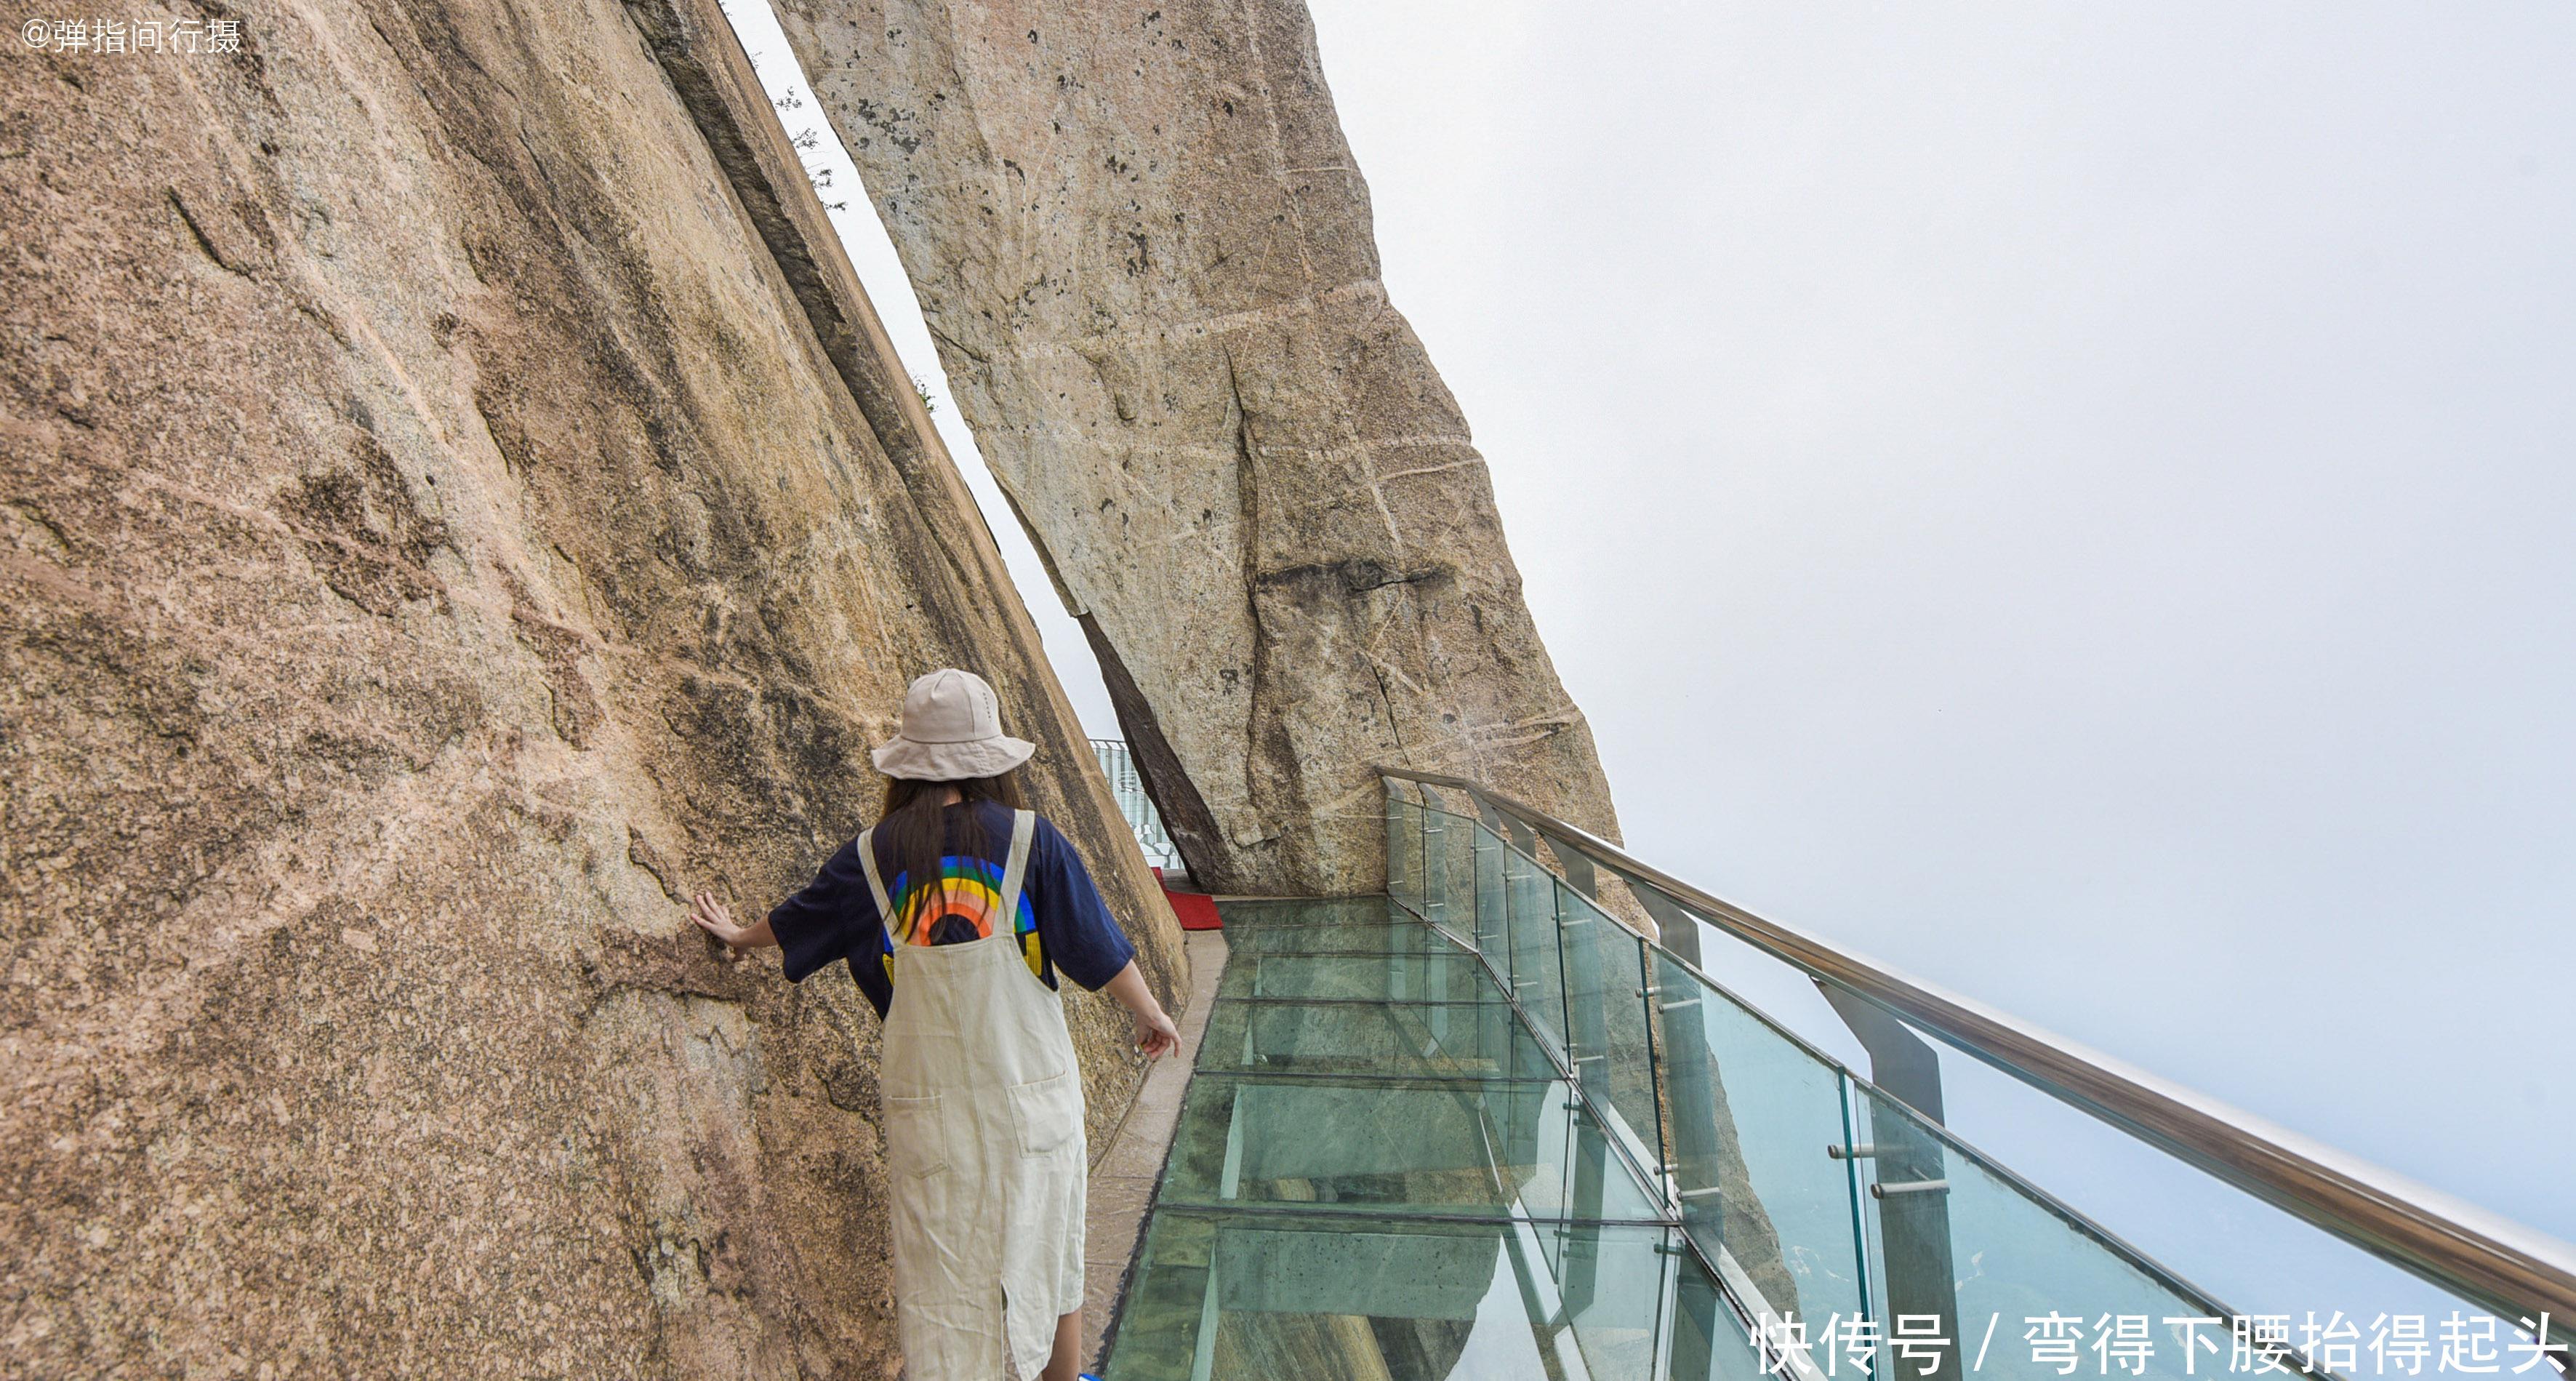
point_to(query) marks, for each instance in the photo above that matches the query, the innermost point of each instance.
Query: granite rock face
(1140, 240)
(450, 509)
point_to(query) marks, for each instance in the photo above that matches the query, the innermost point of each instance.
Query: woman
(968, 905)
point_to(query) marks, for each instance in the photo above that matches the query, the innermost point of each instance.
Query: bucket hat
(952, 729)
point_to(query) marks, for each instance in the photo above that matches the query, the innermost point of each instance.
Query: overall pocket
(915, 1145)
(1047, 1113)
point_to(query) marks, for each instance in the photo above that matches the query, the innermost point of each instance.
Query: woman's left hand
(716, 919)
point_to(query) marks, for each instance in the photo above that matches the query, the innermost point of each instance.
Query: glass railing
(1845, 1228)
(1127, 787)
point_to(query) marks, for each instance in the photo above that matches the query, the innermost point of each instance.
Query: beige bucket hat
(952, 729)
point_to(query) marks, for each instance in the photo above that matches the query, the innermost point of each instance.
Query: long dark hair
(913, 832)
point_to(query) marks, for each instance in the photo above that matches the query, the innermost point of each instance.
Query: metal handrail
(2508, 1268)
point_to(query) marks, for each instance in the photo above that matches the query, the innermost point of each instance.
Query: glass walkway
(1482, 1128)
(1380, 1172)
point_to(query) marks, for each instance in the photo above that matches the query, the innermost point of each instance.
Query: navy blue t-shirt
(1062, 924)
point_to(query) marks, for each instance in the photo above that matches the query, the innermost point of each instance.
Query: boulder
(1145, 253)
(454, 503)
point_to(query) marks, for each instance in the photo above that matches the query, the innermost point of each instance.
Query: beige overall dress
(984, 1142)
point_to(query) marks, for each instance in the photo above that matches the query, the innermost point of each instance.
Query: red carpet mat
(1196, 909)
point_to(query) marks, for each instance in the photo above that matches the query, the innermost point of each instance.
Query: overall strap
(1024, 827)
(876, 885)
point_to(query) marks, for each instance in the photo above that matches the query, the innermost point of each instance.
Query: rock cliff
(1142, 245)
(453, 501)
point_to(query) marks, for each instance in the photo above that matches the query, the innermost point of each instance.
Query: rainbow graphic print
(958, 908)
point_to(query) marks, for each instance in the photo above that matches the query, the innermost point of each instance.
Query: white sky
(2076, 501)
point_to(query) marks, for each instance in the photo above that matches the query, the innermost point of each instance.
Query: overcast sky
(2076, 501)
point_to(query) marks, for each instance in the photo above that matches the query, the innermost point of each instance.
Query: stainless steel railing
(2499, 1264)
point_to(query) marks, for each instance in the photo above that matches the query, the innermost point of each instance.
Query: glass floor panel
(1477, 1040)
(1407, 937)
(1452, 977)
(1235, 1297)
(1379, 1174)
(1485, 1148)
(1266, 912)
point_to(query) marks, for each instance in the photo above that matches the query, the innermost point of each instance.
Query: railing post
(1719, 1207)
(1913, 1228)
(1577, 866)
(1680, 929)
(1435, 863)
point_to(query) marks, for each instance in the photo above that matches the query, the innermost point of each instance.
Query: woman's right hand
(1155, 1034)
